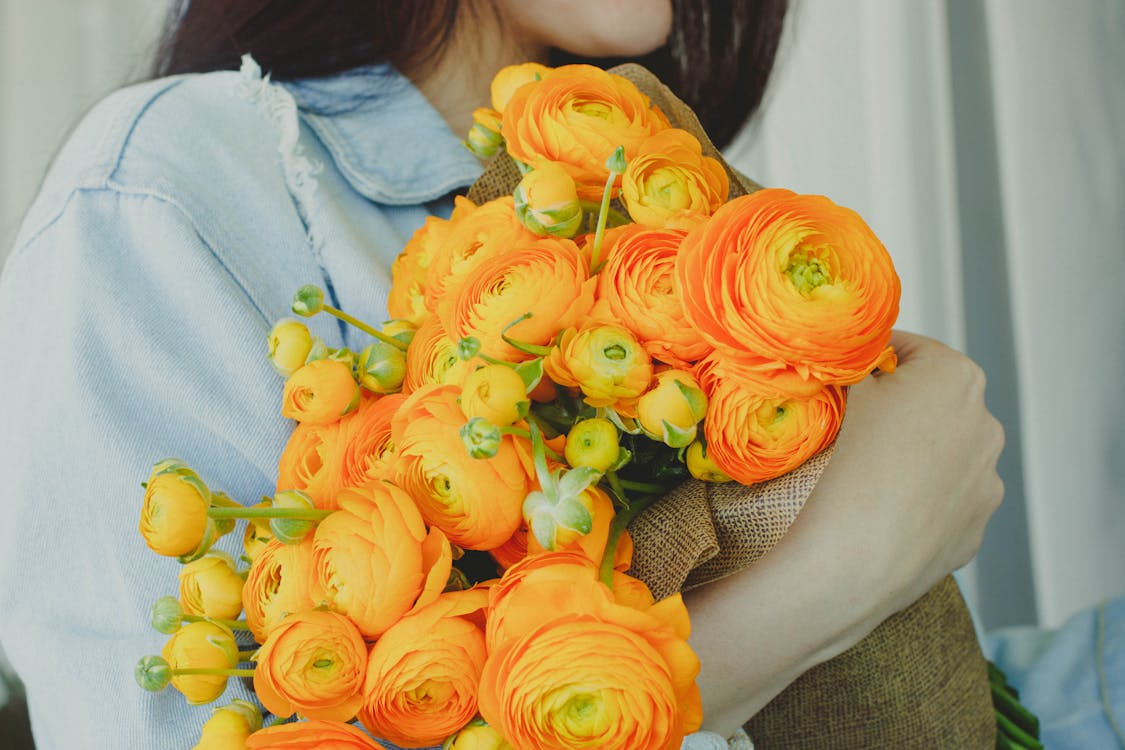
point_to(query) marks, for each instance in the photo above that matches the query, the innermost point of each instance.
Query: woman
(183, 212)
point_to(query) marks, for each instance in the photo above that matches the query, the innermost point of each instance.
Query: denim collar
(384, 136)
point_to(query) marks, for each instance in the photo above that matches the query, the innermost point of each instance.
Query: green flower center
(807, 271)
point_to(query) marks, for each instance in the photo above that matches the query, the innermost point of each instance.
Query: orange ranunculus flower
(407, 299)
(174, 520)
(312, 663)
(311, 462)
(210, 587)
(510, 78)
(494, 392)
(577, 115)
(201, 645)
(477, 736)
(432, 358)
(755, 433)
(312, 735)
(484, 138)
(282, 579)
(475, 501)
(790, 287)
(638, 289)
(366, 437)
(570, 667)
(422, 674)
(375, 559)
(547, 277)
(477, 235)
(605, 361)
(320, 392)
(670, 177)
(512, 551)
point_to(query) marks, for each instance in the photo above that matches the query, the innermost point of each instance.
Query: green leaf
(576, 480)
(530, 372)
(572, 514)
(677, 437)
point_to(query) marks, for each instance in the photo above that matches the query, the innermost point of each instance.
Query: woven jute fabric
(918, 681)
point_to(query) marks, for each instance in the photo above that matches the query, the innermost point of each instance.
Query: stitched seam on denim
(120, 155)
(121, 191)
(1103, 683)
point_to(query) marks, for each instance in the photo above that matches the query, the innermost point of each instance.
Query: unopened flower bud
(153, 673)
(292, 530)
(400, 329)
(672, 408)
(201, 645)
(484, 138)
(257, 534)
(320, 392)
(308, 301)
(547, 203)
(481, 437)
(477, 736)
(318, 350)
(594, 443)
(701, 466)
(496, 393)
(167, 616)
(381, 367)
(616, 161)
(211, 587)
(174, 519)
(289, 345)
(230, 726)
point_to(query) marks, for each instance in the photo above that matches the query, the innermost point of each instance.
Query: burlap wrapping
(918, 681)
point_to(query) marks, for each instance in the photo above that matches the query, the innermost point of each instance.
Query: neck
(459, 81)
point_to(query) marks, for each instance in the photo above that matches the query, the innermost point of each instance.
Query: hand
(903, 502)
(913, 480)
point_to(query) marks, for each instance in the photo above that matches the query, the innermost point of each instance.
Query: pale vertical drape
(985, 143)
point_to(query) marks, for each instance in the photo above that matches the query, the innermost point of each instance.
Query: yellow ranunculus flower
(494, 392)
(174, 520)
(702, 466)
(290, 343)
(320, 392)
(257, 534)
(210, 587)
(510, 78)
(605, 361)
(594, 443)
(230, 726)
(546, 201)
(677, 399)
(201, 645)
(477, 736)
(670, 178)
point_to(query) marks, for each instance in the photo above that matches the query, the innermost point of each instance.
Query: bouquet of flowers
(616, 356)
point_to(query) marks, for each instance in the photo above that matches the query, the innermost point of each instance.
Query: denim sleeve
(125, 340)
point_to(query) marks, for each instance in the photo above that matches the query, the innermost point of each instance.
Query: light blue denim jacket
(167, 238)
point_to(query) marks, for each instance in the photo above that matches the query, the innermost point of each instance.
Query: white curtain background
(983, 140)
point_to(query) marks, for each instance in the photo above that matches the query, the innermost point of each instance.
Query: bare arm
(903, 502)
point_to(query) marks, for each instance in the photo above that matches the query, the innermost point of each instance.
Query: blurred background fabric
(983, 140)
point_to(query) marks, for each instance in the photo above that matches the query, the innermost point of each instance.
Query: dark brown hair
(717, 59)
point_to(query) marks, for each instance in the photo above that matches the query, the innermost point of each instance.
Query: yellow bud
(484, 138)
(320, 392)
(174, 518)
(257, 534)
(675, 397)
(546, 201)
(594, 443)
(210, 587)
(495, 393)
(230, 726)
(605, 361)
(201, 645)
(290, 343)
(702, 467)
(510, 78)
(477, 736)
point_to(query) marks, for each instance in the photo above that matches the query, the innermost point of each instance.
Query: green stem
(616, 486)
(279, 721)
(303, 514)
(203, 670)
(232, 624)
(603, 214)
(364, 327)
(616, 528)
(651, 489)
(521, 432)
(247, 655)
(221, 500)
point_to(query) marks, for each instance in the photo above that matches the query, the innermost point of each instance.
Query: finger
(913, 346)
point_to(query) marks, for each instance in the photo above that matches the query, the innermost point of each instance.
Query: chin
(594, 28)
